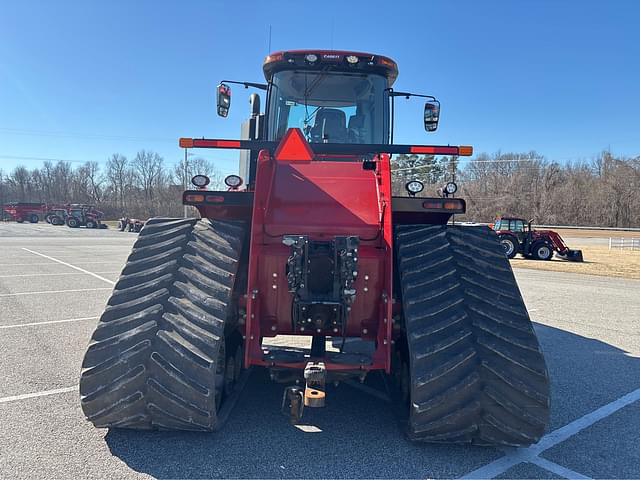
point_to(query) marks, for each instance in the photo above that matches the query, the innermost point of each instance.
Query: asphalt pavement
(55, 281)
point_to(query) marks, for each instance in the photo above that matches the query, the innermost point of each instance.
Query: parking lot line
(44, 393)
(53, 291)
(50, 263)
(49, 274)
(110, 282)
(18, 325)
(558, 469)
(530, 454)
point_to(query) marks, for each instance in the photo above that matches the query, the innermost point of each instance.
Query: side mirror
(431, 115)
(224, 99)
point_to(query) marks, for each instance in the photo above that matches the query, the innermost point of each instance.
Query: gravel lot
(588, 327)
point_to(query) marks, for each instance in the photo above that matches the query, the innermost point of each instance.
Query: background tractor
(81, 215)
(517, 236)
(130, 224)
(308, 267)
(57, 214)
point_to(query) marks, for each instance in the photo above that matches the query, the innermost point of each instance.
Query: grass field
(597, 261)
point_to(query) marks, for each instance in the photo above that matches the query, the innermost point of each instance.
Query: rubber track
(153, 357)
(477, 372)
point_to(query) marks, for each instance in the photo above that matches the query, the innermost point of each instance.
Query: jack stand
(314, 392)
(293, 404)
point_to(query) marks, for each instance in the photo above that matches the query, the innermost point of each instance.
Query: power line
(88, 136)
(42, 159)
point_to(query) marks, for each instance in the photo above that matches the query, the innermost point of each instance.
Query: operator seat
(332, 123)
(357, 132)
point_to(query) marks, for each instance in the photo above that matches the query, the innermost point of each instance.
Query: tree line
(141, 187)
(604, 191)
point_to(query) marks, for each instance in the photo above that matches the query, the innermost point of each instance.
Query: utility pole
(1, 196)
(454, 169)
(186, 180)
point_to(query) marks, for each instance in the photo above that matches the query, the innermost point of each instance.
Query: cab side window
(517, 225)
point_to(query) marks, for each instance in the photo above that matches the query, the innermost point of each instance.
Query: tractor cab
(516, 226)
(332, 97)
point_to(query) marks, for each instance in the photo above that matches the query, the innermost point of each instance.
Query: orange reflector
(186, 142)
(452, 205)
(194, 198)
(465, 151)
(215, 199)
(294, 147)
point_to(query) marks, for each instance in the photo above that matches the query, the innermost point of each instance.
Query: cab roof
(337, 60)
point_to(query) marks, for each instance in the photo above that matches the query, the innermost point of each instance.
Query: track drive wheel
(157, 358)
(477, 374)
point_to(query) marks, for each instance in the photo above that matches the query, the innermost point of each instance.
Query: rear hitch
(295, 398)
(314, 392)
(293, 403)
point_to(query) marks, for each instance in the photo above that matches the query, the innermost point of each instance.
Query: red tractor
(21, 211)
(309, 267)
(130, 224)
(517, 236)
(57, 214)
(81, 215)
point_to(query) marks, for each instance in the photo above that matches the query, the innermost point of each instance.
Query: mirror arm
(408, 95)
(260, 86)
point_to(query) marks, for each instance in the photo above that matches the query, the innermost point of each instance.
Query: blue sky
(81, 80)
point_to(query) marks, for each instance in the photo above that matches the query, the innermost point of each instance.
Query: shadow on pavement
(361, 436)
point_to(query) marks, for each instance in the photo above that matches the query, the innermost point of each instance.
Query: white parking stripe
(53, 291)
(558, 469)
(18, 325)
(530, 454)
(110, 282)
(48, 263)
(49, 274)
(38, 394)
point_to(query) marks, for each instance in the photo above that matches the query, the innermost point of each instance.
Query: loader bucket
(572, 256)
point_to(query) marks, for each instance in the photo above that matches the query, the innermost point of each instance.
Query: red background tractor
(517, 236)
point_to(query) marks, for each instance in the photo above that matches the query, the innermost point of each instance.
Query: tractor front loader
(309, 243)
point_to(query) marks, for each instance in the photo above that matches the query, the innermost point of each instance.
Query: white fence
(623, 243)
